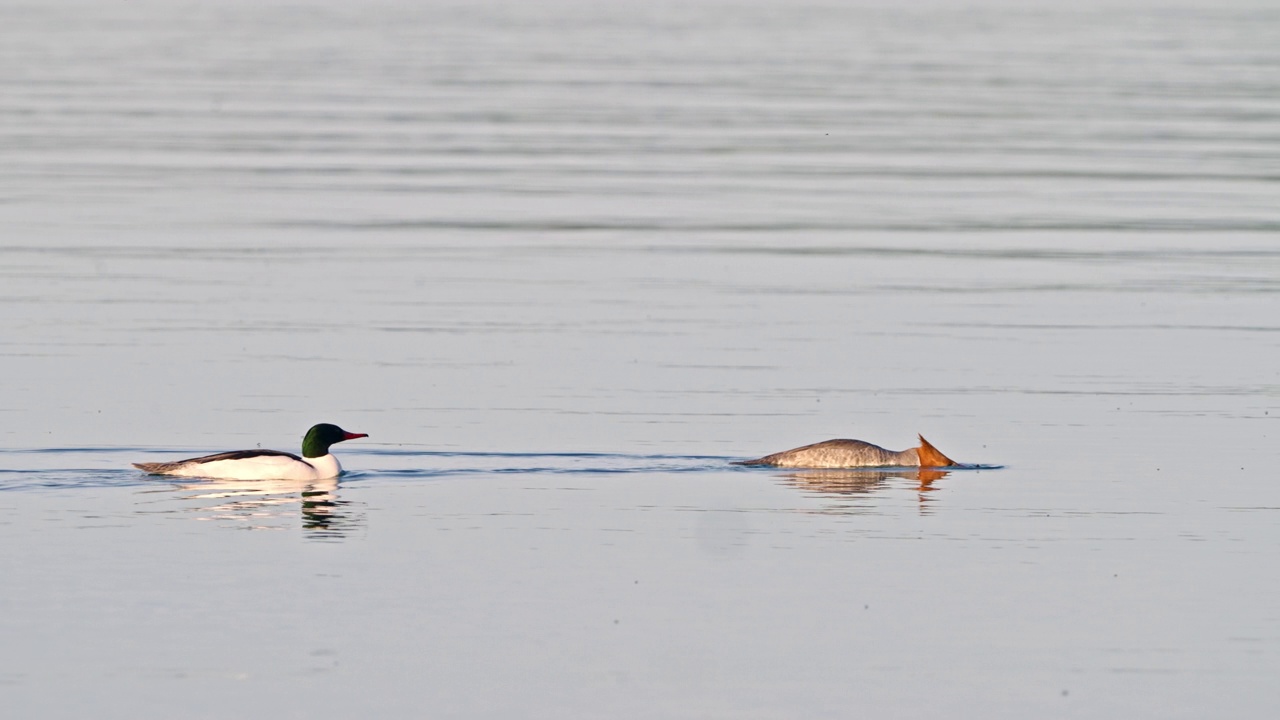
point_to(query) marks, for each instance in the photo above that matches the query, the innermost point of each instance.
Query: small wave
(385, 463)
(370, 464)
(451, 463)
(68, 478)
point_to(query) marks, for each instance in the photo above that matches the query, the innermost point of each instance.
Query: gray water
(563, 262)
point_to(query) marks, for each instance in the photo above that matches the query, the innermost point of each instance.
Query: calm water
(563, 262)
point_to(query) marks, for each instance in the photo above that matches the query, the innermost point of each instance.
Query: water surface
(564, 262)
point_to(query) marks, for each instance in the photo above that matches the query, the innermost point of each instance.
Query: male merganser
(853, 453)
(315, 464)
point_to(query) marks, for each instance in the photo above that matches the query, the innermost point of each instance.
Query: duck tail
(155, 468)
(930, 456)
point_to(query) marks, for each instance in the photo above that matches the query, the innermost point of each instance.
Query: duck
(316, 463)
(842, 453)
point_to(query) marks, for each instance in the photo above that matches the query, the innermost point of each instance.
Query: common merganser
(853, 453)
(316, 462)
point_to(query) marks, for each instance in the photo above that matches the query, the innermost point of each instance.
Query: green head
(320, 437)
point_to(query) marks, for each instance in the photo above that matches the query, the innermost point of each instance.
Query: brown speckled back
(839, 454)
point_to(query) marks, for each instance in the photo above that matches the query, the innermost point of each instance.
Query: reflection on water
(852, 490)
(272, 505)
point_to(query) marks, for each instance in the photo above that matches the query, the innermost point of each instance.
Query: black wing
(163, 468)
(240, 455)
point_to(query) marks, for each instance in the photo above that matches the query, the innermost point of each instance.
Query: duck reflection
(852, 489)
(273, 504)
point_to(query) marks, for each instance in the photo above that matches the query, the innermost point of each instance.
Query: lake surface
(564, 262)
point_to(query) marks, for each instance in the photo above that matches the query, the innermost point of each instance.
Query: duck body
(852, 454)
(316, 463)
(249, 465)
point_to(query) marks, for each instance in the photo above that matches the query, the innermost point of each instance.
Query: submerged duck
(316, 462)
(853, 453)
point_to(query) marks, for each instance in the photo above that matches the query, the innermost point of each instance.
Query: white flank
(265, 467)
